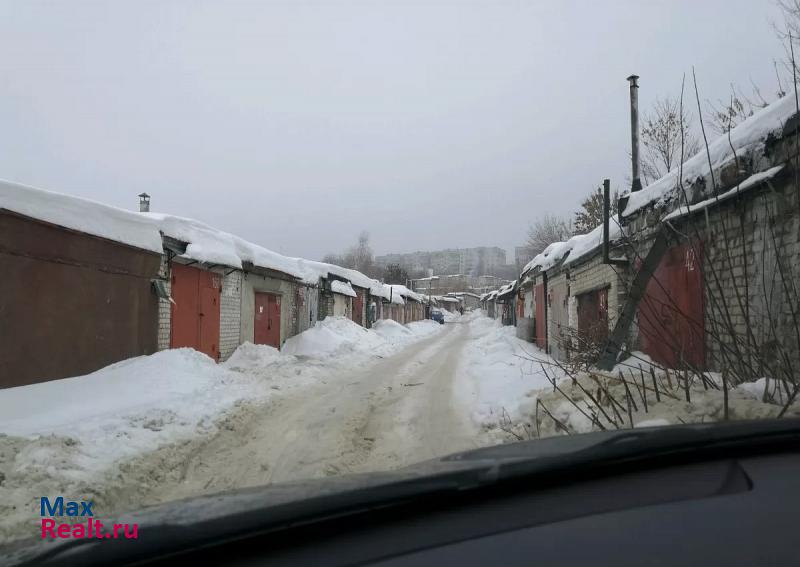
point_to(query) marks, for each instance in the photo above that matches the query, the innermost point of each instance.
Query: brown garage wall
(70, 303)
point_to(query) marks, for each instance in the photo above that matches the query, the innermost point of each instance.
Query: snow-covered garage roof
(82, 215)
(746, 138)
(344, 288)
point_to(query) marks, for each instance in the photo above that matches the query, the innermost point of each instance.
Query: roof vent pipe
(144, 203)
(636, 184)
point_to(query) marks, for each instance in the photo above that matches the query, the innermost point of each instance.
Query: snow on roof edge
(80, 214)
(746, 136)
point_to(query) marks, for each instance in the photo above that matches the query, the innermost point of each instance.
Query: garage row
(86, 285)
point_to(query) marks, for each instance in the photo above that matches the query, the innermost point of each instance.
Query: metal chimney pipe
(606, 212)
(144, 203)
(636, 184)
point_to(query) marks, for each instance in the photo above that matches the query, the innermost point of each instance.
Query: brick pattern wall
(748, 308)
(557, 316)
(230, 312)
(164, 307)
(593, 274)
(325, 304)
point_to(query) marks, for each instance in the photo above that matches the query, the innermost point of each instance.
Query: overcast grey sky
(298, 124)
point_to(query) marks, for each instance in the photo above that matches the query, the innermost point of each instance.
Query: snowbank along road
(387, 414)
(372, 400)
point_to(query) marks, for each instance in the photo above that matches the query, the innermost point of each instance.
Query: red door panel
(268, 320)
(593, 315)
(195, 313)
(671, 314)
(184, 322)
(358, 306)
(261, 323)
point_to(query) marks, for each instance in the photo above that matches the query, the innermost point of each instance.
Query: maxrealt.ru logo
(60, 508)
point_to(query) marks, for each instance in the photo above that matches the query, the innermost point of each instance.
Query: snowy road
(175, 424)
(396, 411)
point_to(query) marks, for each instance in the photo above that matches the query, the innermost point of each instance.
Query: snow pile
(706, 405)
(128, 407)
(250, 357)
(82, 215)
(746, 138)
(450, 316)
(336, 336)
(343, 288)
(424, 328)
(332, 335)
(500, 376)
(390, 330)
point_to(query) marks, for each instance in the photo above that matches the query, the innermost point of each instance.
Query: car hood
(271, 506)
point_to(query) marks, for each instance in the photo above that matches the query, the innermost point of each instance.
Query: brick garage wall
(306, 308)
(557, 314)
(590, 275)
(746, 247)
(230, 312)
(325, 305)
(164, 306)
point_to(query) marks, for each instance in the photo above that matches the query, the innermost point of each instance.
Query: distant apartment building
(468, 261)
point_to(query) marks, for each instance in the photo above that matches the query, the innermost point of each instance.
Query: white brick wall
(164, 307)
(230, 313)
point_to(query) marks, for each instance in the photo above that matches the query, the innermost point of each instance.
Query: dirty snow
(500, 375)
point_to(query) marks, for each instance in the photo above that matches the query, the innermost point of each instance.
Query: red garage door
(195, 313)
(268, 320)
(358, 308)
(671, 314)
(593, 316)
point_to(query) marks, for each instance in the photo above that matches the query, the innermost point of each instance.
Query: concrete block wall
(164, 307)
(230, 312)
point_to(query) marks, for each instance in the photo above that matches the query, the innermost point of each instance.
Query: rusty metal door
(540, 318)
(358, 308)
(593, 317)
(267, 324)
(672, 311)
(195, 313)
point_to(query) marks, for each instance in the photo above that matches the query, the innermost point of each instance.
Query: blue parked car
(438, 316)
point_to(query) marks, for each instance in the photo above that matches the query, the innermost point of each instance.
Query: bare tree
(546, 230)
(591, 214)
(358, 257)
(333, 259)
(662, 130)
(724, 115)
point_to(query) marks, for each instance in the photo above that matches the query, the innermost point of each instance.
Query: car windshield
(244, 243)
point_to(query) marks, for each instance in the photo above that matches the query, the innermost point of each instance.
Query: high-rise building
(478, 261)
